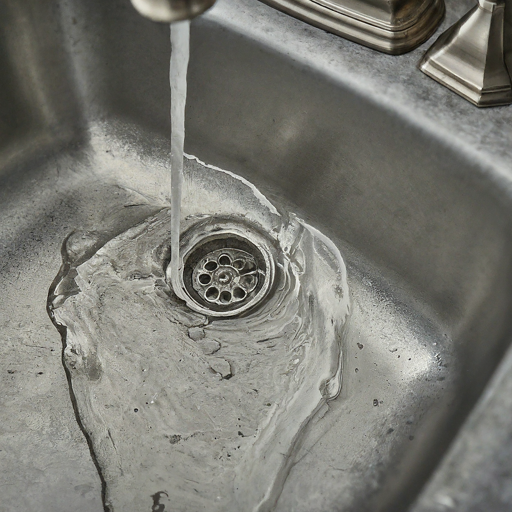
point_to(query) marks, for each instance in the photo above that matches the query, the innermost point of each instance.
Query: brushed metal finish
(414, 186)
(393, 27)
(168, 11)
(475, 475)
(469, 57)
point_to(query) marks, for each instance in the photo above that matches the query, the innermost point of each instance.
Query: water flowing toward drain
(197, 361)
(226, 276)
(238, 283)
(180, 44)
(208, 410)
(228, 267)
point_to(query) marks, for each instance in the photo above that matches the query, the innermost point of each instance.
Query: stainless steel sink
(413, 185)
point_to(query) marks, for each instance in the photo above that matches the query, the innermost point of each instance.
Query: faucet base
(392, 27)
(469, 58)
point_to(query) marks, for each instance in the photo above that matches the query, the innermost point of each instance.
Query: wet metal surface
(209, 410)
(228, 265)
(407, 178)
(226, 276)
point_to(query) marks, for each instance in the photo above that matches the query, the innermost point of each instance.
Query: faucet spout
(169, 11)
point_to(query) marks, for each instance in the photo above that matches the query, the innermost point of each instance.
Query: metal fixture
(168, 11)
(390, 26)
(469, 58)
(228, 267)
(226, 276)
(418, 192)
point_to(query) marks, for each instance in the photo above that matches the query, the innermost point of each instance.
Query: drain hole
(238, 264)
(224, 278)
(210, 266)
(248, 282)
(205, 279)
(249, 267)
(230, 275)
(239, 294)
(225, 260)
(225, 297)
(226, 274)
(212, 293)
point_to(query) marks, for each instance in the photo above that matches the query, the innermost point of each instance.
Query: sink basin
(413, 186)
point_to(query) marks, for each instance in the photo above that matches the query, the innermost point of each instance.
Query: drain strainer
(226, 276)
(228, 267)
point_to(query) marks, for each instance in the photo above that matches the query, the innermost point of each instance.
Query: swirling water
(205, 411)
(183, 411)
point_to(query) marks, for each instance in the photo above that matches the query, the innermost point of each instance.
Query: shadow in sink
(425, 231)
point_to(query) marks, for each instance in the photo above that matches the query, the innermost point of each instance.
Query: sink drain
(227, 267)
(226, 276)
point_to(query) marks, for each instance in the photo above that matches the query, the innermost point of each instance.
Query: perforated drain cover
(226, 276)
(228, 267)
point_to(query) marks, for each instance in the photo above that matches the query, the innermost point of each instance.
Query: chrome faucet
(469, 58)
(390, 26)
(169, 11)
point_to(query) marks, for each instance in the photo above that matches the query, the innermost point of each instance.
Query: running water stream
(180, 52)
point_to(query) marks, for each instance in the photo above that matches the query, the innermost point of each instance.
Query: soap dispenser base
(469, 58)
